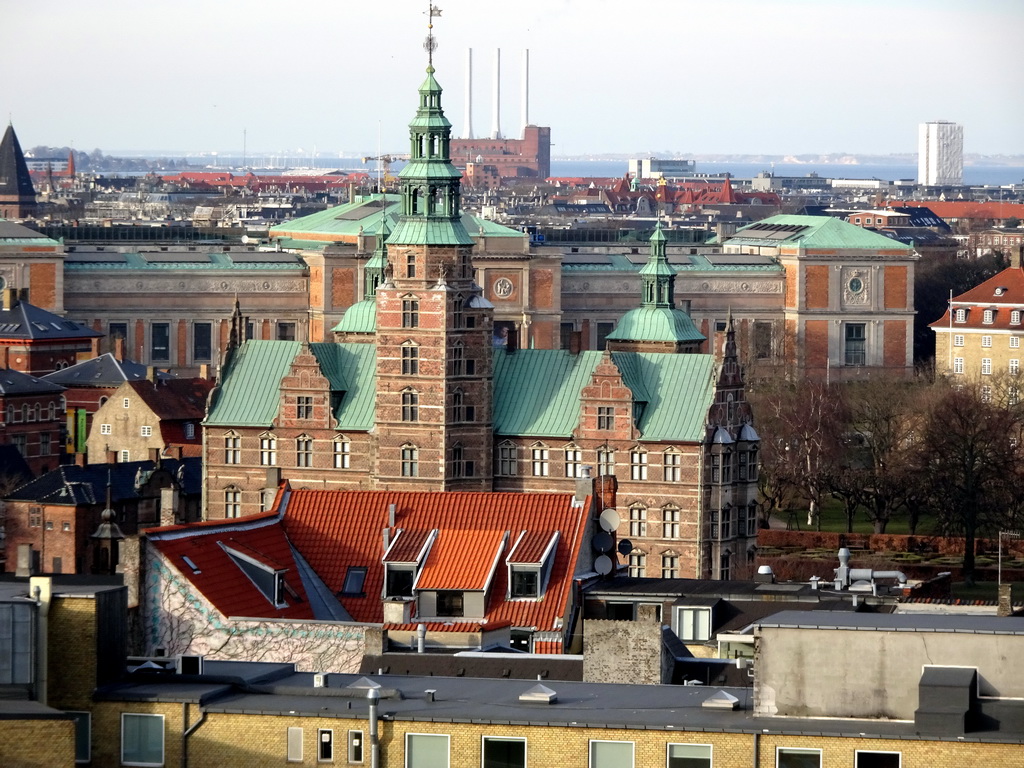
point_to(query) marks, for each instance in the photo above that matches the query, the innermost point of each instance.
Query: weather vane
(430, 44)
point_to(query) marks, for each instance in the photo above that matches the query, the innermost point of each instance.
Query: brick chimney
(575, 342)
(119, 348)
(1016, 256)
(605, 491)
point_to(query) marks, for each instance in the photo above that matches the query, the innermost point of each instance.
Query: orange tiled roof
(447, 567)
(983, 296)
(530, 546)
(407, 546)
(216, 574)
(336, 530)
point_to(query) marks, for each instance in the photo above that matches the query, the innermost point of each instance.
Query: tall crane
(384, 162)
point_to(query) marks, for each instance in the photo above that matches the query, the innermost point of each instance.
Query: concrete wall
(800, 671)
(624, 651)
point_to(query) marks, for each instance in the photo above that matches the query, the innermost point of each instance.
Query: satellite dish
(603, 542)
(603, 565)
(609, 520)
(625, 547)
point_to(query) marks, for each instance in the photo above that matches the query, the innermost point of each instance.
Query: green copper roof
(819, 232)
(250, 393)
(430, 232)
(656, 324)
(537, 392)
(361, 317)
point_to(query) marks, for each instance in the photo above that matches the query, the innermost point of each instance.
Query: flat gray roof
(898, 622)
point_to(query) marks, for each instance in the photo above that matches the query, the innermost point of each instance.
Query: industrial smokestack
(468, 122)
(496, 127)
(526, 90)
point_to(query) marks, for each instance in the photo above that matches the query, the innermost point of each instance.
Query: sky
(608, 76)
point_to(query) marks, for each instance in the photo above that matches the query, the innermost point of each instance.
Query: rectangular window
(450, 603)
(855, 350)
(986, 341)
(693, 624)
(573, 462)
(410, 264)
(565, 335)
(232, 449)
(762, 340)
(958, 340)
(410, 313)
(142, 739)
(525, 582)
(325, 746)
(304, 407)
(1015, 317)
(672, 462)
(202, 342)
(410, 360)
(83, 736)
(105, 429)
(304, 452)
(190, 431)
(294, 745)
(160, 342)
(355, 577)
(637, 521)
(961, 315)
(670, 523)
(126, 403)
(988, 317)
(689, 756)
(410, 462)
(611, 754)
(1014, 342)
(355, 746)
(286, 331)
(145, 431)
(637, 565)
(508, 460)
(986, 365)
(867, 759)
(21, 443)
(410, 406)
(117, 331)
(958, 365)
(232, 502)
(669, 566)
(125, 456)
(1014, 366)
(605, 418)
(268, 451)
(638, 465)
(504, 753)
(540, 462)
(605, 461)
(788, 757)
(342, 454)
(603, 329)
(426, 750)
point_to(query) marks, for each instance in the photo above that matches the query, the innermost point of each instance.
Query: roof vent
(539, 694)
(721, 700)
(364, 682)
(1000, 290)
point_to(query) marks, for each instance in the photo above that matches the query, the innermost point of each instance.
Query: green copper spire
(431, 185)
(657, 275)
(373, 274)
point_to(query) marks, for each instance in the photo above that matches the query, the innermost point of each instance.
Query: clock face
(856, 285)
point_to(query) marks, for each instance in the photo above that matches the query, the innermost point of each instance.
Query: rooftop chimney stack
(468, 121)
(526, 90)
(496, 128)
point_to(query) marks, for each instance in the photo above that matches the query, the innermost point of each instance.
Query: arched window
(410, 405)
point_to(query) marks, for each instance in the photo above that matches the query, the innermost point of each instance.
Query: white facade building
(940, 154)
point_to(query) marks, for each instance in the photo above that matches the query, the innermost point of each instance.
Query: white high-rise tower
(940, 154)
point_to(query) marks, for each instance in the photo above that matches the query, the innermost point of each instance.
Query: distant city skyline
(678, 76)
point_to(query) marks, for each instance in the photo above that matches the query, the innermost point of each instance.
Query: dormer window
(1015, 317)
(529, 564)
(266, 575)
(402, 562)
(989, 317)
(961, 315)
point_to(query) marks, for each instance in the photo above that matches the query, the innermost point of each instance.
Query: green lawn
(833, 519)
(985, 590)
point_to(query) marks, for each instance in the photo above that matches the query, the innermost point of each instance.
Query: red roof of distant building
(1009, 283)
(966, 209)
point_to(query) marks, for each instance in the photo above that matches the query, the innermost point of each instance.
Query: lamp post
(1003, 535)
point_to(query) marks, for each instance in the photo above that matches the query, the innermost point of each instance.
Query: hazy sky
(689, 76)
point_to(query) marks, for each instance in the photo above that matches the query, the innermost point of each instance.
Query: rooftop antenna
(430, 44)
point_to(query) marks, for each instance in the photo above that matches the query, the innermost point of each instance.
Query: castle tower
(433, 408)
(656, 325)
(17, 195)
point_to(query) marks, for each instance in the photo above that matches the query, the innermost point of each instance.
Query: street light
(1003, 535)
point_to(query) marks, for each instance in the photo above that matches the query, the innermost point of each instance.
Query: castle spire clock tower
(433, 408)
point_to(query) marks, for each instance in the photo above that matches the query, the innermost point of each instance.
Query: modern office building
(940, 154)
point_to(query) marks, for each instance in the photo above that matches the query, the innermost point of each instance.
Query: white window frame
(1013, 366)
(961, 315)
(988, 317)
(590, 751)
(352, 745)
(163, 739)
(986, 341)
(145, 431)
(986, 366)
(485, 738)
(1015, 317)
(540, 461)
(105, 429)
(958, 365)
(125, 456)
(448, 753)
(958, 340)
(672, 463)
(1014, 342)
(232, 448)
(796, 750)
(342, 453)
(638, 464)
(320, 733)
(126, 403)
(686, 631)
(668, 751)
